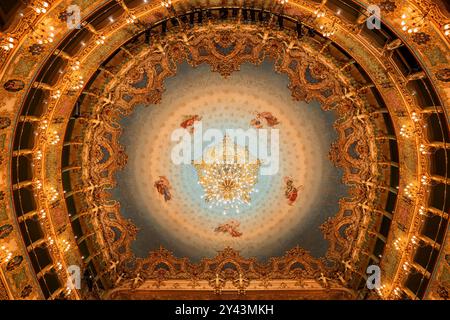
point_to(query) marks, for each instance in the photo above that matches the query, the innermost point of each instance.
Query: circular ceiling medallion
(167, 200)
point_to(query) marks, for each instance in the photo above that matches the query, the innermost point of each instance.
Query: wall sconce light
(328, 30)
(406, 131)
(78, 83)
(54, 138)
(41, 7)
(319, 13)
(413, 22)
(100, 40)
(131, 19)
(411, 190)
(5, 254)
(8, 43)
(447, 29)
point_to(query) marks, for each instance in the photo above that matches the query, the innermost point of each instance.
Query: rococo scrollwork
(389, 89)
(225, 49)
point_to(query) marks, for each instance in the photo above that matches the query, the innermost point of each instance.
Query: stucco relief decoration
(225, 51)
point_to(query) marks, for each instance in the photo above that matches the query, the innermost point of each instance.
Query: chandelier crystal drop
(228, 174)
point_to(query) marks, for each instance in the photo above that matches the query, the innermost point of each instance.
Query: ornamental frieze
(304, 72)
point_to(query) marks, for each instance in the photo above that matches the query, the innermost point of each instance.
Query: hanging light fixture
(228, 174)
(411, 190)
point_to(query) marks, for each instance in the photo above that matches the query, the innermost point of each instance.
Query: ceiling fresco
(308, 82)
(89, 114)
(271, 224)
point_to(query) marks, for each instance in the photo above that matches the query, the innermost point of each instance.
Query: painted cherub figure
(291, 192)
(262, 118)
(188, 122)
(163, 187)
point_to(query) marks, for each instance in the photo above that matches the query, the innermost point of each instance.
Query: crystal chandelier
(228, 174)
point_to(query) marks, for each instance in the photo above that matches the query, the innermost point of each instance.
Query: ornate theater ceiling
(353, 96)
(189, 225)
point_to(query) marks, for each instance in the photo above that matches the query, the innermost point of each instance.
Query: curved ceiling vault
(86, 112)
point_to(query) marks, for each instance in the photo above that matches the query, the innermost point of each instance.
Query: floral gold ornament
(5, 254)
(406, 131)
(53, 137)
(447, 29)
(328, 29)
(36, 49)
(4, 122)
(100, 39)
(247, 48)
(52, 194)
(388, 6)
(43, 36)
(420, 37)
(5, 230)
(319, 13)
(430, 54)
(26, 291)
(131, 19)
(166, 3)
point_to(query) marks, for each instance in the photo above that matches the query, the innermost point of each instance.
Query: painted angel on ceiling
(188, 122)
(230, 227)
(264, 118)
(163, 187)
(291, 192)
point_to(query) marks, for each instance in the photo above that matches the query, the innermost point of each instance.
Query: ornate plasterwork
(225, 48)
(432, 60)
(229, 272)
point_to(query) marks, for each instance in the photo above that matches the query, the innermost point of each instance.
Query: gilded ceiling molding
(229, 272)
(225, 48)
(174, 293)
(21, 66)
